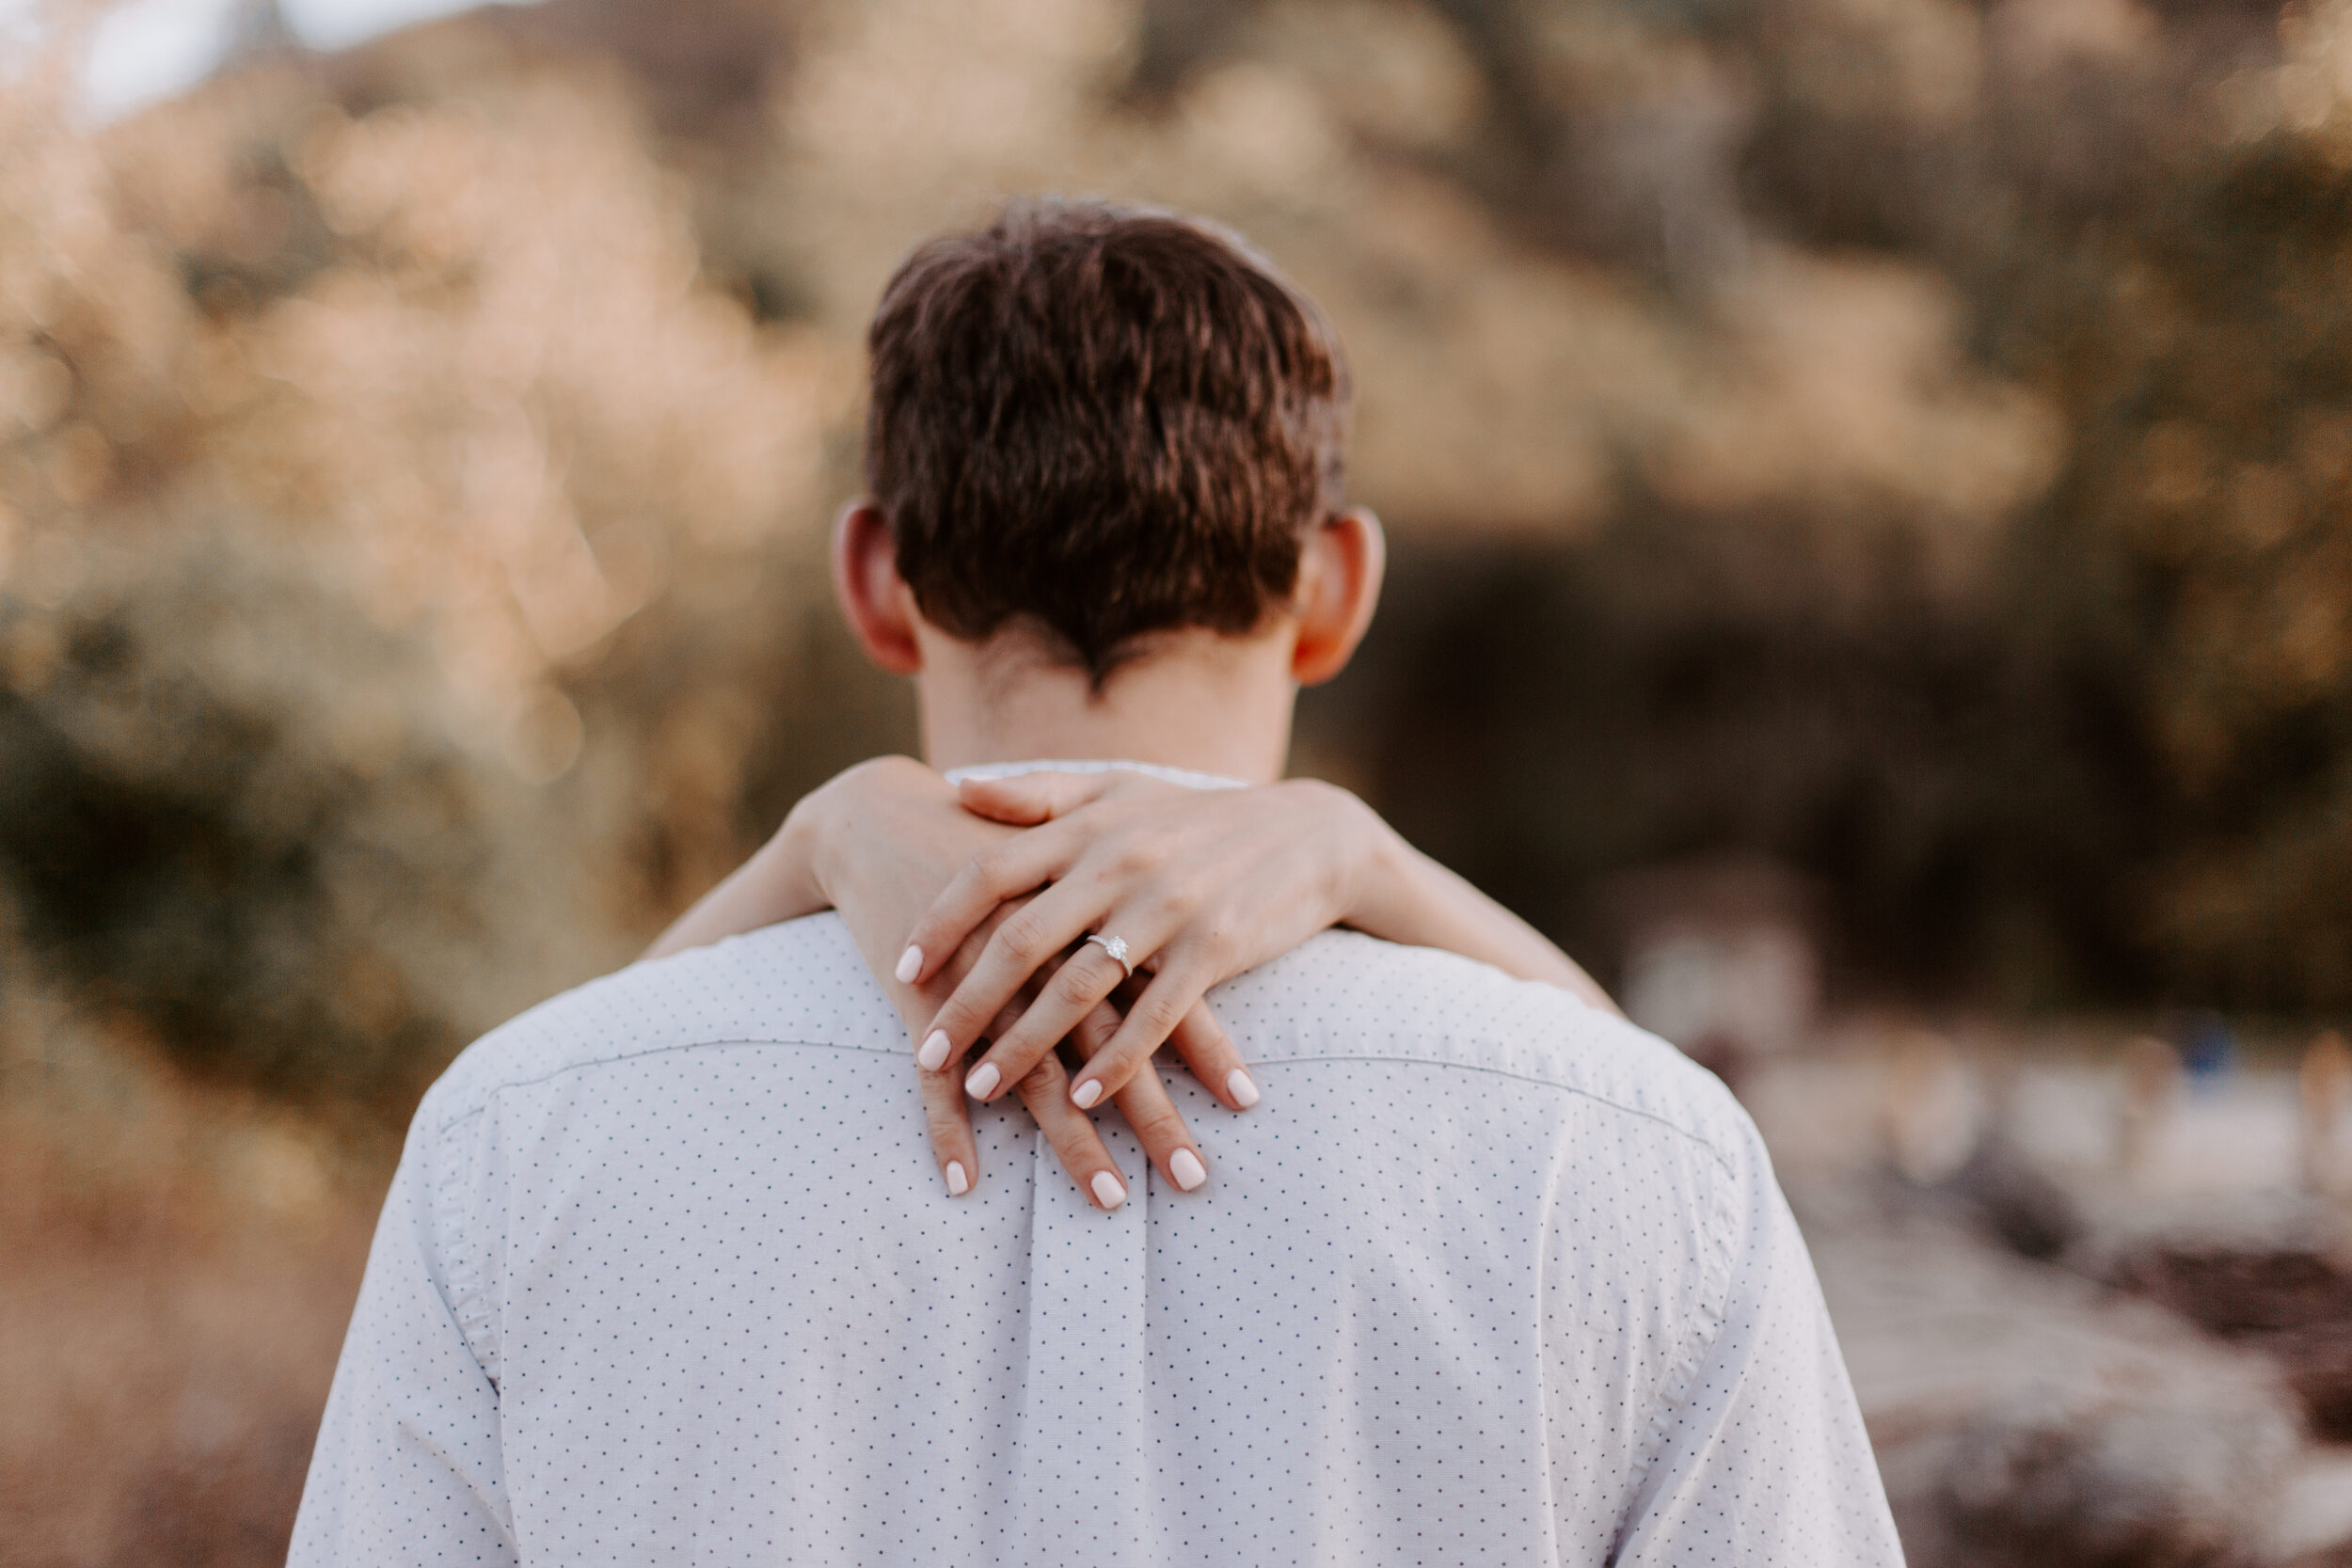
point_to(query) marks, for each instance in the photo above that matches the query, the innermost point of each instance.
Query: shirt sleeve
(1764, 1459)
(407, 1468)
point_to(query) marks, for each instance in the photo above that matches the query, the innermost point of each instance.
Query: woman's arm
(1403, 895)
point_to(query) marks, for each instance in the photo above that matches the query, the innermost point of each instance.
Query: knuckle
(1120, 1056)
(1096, 1030)
(975, 944)
(1026, 1053)
(1167, 901)
(1140, 855)
(943, 1119)
(1205, 940)
(1210, 1041)
(1158, 1129)
(1021, 937)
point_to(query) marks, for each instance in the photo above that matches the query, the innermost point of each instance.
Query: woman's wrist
(793, 859)
(827, 827)
(1400, 895)
(1372, 865)
(805, 850)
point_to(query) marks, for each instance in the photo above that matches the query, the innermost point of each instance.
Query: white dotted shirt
(667, 1274)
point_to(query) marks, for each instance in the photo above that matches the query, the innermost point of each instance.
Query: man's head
(1099, 434)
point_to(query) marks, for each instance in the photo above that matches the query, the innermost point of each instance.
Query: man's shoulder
(1342, 995)
(801, 982)
(1345, 996)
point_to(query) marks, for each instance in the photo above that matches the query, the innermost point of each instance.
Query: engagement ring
(1116, 947)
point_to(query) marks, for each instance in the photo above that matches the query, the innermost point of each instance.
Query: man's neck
(1203, 702)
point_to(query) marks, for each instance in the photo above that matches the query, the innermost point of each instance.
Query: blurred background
(1868, 480)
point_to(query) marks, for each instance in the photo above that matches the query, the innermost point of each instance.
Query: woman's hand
(1200, 885)
(878, 843)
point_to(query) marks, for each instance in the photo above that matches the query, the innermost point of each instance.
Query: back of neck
(1203, 702)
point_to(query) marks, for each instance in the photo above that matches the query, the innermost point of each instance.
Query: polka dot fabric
(667, 1276)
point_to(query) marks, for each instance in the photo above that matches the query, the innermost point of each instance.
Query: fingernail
(983, 1081)
(910, 965)
(1107, 1191)
(1185, 1166)
(1086, 1094)
(935, 1053)
(1237, 1083)
(958, 1183)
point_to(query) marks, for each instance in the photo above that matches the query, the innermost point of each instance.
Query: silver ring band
(1116, 947)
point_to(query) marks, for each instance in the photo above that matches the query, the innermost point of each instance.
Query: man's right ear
(877, 600)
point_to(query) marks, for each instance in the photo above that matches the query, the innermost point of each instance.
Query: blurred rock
(2022, 1415)
(2031, 1213)
(2144, 1484)
(2292, 1303)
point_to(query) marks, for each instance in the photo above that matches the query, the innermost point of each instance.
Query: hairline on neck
(1193, 699)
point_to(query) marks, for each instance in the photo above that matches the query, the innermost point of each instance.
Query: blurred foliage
(218, 860)
(1906, 438)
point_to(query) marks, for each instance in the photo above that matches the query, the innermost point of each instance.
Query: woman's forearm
(1403, 895)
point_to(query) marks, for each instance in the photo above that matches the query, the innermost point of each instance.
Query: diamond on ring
(1116, 947)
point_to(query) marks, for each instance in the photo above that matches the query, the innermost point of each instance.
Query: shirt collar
(1185, 776)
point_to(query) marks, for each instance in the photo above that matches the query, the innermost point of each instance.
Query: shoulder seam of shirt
(1581, 1092)
(501, 1085)
(494, 1090)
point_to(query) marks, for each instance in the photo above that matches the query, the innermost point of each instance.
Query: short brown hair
(1100, 422)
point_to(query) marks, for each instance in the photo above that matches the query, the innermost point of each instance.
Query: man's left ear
(1339, 570)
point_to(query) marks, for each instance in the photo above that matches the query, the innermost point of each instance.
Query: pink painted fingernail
(910, 965)
(1107, 1191)
(1086, 1094)
(958, 1183)
(935, 1053)
(1238, 1084)
(983, 1081)
(1185, 1166)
